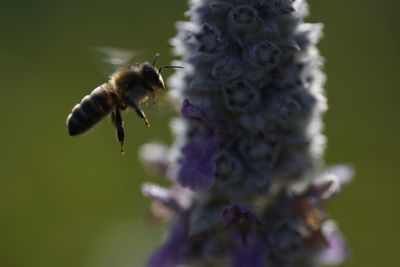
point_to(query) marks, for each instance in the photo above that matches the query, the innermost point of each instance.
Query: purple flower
(198, 167)
(336, 252)
(196, 113)
(176, 198)
(248, 248)
(174, 249)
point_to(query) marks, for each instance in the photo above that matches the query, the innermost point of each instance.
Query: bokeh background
(76, 202)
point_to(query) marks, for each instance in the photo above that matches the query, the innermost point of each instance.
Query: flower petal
(248, 248)
(174, 249)
(331, 181)
(249, 252)
(198, 167)
(195, 113)
(161, 195)
(175, 198)
(337, 251)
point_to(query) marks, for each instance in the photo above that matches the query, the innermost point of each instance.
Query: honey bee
(127, 87)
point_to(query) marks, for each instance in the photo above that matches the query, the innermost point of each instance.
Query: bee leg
(141, 114)
(117, 121)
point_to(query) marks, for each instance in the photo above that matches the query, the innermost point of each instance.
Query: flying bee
(127, 87)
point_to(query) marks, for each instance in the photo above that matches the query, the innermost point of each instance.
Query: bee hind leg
(116, 119)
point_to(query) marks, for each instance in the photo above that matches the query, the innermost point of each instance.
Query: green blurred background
(76, 202)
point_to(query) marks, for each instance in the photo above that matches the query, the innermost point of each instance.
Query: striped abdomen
(91, 110)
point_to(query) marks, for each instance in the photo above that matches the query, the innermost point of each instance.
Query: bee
(127, 87)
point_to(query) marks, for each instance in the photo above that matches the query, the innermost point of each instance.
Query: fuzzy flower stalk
(247, 180)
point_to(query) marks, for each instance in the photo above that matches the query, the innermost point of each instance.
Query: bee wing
(165, 105)
(111, 59)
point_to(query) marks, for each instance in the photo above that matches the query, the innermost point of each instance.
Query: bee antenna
(155, 59)
(169, 67)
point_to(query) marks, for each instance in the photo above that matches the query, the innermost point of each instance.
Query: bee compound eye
(151, 74)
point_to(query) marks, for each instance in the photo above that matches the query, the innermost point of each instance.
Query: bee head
(152, 76)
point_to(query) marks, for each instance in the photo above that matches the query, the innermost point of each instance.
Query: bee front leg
(138, 111)
(141, 114)
(116, 119)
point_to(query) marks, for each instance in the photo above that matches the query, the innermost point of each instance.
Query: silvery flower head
(248, 187)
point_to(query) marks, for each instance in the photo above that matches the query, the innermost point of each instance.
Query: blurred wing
(111, 59)
(165, 105)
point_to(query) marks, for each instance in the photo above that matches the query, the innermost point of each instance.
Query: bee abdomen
(91, 110)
